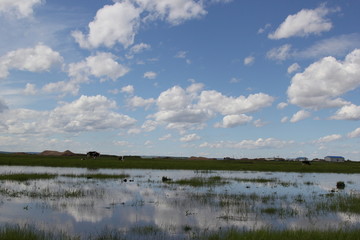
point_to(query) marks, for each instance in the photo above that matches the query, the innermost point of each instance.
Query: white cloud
(190, 138)
(337, 46)
(217, 102)
(139, 48)
(282, 105)
(321, 84)
(84, 114)
(165, 137)
(230, 121)
(261, 30)
(300, 115)
(354, 134)
(192, 107)
(304, 23)
(173, 11)
(38, 59)
(19, 8)
(249, 60)
(30, 89)
(259, 123)
(348, 112)
(284, 119)
(329, 138)
(140, 102)
(260, 143)
(104, 65)
(128, 89)
(281, 53)
(293, 68)
(150, 75)
(117, 23)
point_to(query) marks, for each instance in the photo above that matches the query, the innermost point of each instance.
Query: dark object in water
(166, 179)
(340, 185)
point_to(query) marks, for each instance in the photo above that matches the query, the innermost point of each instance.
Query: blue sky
(208, 78)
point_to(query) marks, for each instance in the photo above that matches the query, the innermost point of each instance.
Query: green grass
(132, 162)
(350, 234)
(200, 181)
(23, 177)
(30, 233)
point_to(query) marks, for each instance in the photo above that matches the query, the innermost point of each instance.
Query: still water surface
(81, 206)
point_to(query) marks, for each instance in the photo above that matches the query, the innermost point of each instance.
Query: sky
(212, 78)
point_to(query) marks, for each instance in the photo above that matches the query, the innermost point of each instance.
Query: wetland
(104, 203)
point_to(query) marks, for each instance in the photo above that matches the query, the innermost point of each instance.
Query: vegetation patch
(98, 176)
(201, 182)
(23, 177)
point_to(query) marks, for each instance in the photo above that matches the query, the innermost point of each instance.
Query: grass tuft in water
(23, 177)
(201, 182)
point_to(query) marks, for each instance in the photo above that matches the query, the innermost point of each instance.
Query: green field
(133, 162)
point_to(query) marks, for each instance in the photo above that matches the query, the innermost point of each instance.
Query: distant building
(300, 159)
(334, 159)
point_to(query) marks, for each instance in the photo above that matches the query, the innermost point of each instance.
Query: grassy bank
(175, 163)
(29, 233)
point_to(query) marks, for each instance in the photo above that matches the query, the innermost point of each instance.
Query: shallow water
(145, 205)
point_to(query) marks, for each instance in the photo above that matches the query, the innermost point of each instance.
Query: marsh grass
(98, 176)
(344, 203)
(23, 177)
(201, 181)
(268, 234)
(30, 233)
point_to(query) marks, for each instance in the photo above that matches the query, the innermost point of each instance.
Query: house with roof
(334, 159)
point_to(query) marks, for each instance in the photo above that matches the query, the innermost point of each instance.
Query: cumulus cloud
(192, 107)
(282, 105)
(300, 115)
(173, 11)
(230, 121)
(354, 134)
(38, 59)
(323, 82)
(348, 112)
(136, 102)
(249, 144)
(217, 102)
(102, 65)
(19, 8)
(190, 138)
(119, 23)
(304, 23)
(329, 138)
(150, 75)
(128, 89)
(88, 113)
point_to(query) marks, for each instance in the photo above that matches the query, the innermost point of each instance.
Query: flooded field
(175, 204)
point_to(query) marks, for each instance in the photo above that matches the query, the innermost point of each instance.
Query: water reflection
(248, 200)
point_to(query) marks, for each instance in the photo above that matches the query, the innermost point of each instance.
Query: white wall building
(334, 159)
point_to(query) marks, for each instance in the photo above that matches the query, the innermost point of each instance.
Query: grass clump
(30, 233)
(98, 176)
(201, 182)
(23, 177)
